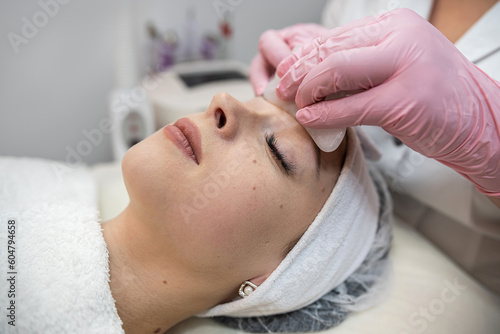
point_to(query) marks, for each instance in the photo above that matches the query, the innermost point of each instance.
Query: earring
(246, 288)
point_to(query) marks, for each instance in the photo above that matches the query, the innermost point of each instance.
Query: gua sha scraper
(328, 140)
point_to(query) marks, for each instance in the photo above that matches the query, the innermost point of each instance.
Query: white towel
(331, 249)
(61, 260)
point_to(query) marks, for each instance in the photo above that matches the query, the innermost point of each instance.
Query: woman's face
(236, 198)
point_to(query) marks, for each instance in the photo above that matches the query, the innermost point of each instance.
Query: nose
(228, 115)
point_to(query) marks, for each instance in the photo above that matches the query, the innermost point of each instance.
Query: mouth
(186, 136)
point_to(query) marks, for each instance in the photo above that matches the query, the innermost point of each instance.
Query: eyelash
(273, 146)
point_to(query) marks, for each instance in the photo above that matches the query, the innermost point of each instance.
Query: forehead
(277, 118)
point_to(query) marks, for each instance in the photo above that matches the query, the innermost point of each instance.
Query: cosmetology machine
(130, 110)
(188, 88)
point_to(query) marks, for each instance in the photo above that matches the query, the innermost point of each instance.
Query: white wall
(250, 18)
(57, 85)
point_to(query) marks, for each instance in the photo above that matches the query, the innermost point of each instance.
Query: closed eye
(279, 157)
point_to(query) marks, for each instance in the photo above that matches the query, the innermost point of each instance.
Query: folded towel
(61, 272)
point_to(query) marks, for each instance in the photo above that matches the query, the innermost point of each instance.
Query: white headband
(331, 249)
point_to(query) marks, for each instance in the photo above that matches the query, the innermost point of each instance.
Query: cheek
(138, 167)
(231, 218)
(152, 173)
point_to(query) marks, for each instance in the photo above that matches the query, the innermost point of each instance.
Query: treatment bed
(431, 293)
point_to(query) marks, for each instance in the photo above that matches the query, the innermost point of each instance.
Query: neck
(151, 294)
(453, 18)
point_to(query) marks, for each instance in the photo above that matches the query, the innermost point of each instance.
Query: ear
(257, 281)
(260, 279)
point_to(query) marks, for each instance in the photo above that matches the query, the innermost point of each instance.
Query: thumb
(365, 108)
(260, 73)
(273, 47)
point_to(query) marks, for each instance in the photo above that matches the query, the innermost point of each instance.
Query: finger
(259, 74)
(295, 67)
(273, 47)
(301, 52)
(302, 34)
(349, 70)
(382, 20)
(371, 107)
(367, 31)
(353, 30)
(298, 66)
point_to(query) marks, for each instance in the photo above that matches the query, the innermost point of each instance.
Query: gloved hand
(417, 86)
(274, 46)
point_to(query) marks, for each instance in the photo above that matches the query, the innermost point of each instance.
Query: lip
(186, 136)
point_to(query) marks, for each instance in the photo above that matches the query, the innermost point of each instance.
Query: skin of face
(234, 212)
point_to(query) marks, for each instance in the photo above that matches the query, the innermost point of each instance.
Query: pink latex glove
(418, 87)
(276, 45)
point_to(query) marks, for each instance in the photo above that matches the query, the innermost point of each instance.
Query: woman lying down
(234, 214)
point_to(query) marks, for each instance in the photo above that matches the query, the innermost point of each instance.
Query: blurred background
(61, 59)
